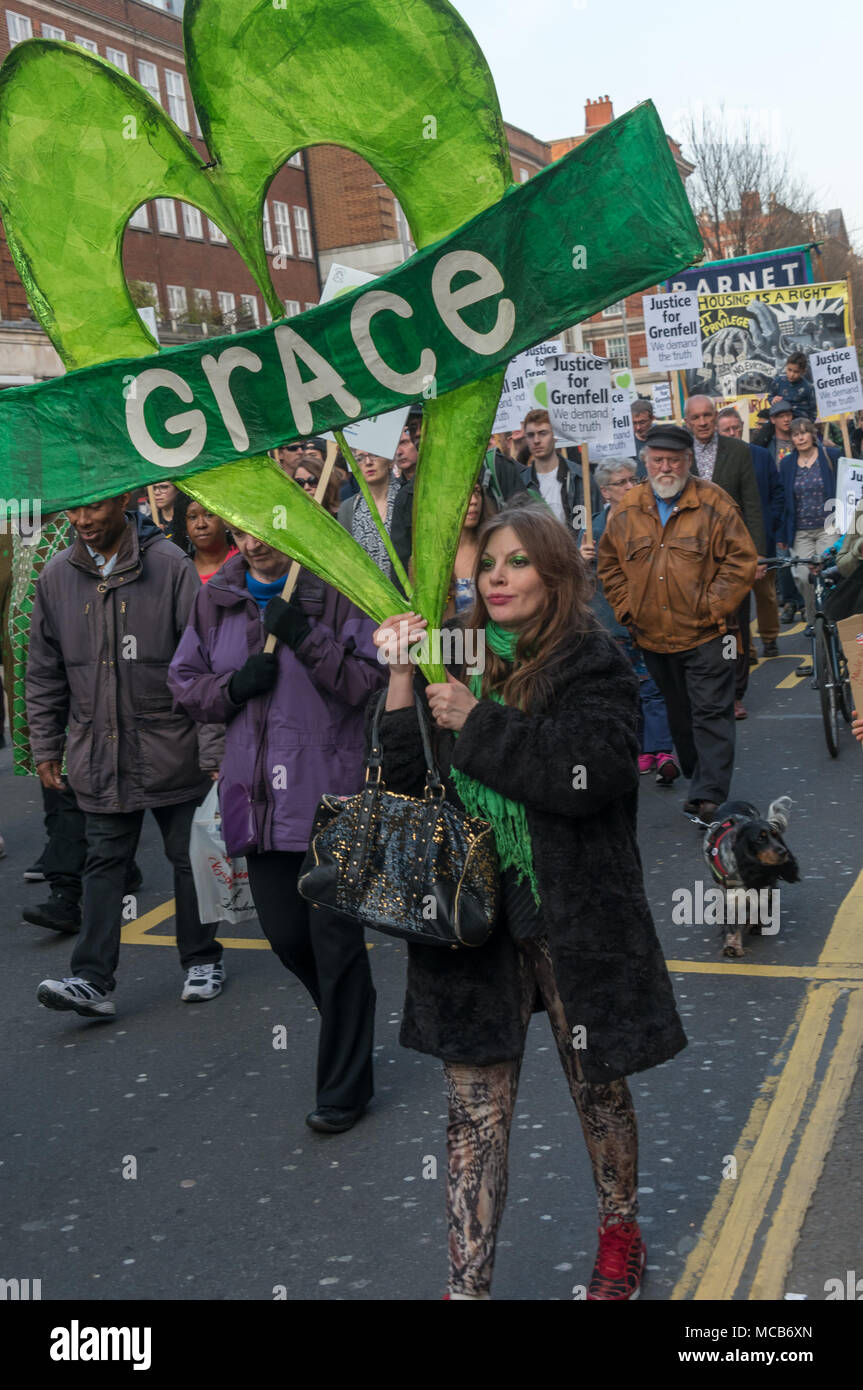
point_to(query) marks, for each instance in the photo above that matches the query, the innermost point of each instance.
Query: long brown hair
(564, 617)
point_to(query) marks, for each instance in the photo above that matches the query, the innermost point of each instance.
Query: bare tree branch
(743, 191)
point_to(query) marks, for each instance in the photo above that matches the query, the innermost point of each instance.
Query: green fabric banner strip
(549, 254)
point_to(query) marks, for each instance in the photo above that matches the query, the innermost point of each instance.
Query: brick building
(359, 223)
(358, 220)
(174, 257)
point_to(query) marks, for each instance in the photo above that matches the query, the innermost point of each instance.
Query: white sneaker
(203, 982)
(82, 997)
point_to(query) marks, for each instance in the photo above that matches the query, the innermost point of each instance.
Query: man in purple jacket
(295, 729)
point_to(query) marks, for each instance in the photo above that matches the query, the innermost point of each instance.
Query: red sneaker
(620, 1262)
(646, 762)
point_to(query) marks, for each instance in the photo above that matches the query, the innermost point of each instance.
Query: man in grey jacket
(107, 617)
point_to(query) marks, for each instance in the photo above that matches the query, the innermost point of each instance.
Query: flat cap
(668, 437)
(779, 408)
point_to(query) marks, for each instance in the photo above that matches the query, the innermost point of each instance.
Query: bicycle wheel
(824, 679)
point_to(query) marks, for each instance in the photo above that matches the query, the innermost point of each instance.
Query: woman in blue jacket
(808, 477)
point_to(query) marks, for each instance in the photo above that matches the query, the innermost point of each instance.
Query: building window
(140, 219)
(203, 302)
(192, 224)
(148, 77)
(216, 233)
(249, 308)
(268, 318)
(19, 27)
(296, 160)
(177, 305)
(50, 31)
(282, 218)
(301, 227)
(292, 308)
(268, 231)
(227, 307)
(615, 351)
(166, 215)
(311, 306)
(523, 174)
(177, 108)
(89, 44)
(613, 311)
(118, 58)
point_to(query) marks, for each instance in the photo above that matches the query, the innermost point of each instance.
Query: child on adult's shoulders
(792, 386)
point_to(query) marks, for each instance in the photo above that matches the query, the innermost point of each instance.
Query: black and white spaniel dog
(743, 852)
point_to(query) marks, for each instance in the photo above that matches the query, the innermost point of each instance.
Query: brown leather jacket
(675, 586)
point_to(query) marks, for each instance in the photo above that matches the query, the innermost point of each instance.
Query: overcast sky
(791, 63)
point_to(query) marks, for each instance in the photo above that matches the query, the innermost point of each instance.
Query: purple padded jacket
(306, 736)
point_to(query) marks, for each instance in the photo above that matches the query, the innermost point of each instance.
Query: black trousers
(111, 844)
(741, 669)
(63, 858)
(327, 953)
(66, 849)
(698, 687)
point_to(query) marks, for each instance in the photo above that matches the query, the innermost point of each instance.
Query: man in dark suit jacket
(728, 463)
(772, 495)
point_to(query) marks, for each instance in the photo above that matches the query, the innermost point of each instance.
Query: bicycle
(829, 666)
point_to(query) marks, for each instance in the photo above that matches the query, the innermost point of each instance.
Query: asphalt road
(234, 1198)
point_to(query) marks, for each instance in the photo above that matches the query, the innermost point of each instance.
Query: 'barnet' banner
(772, 271)
(546, 256)
(746, 338)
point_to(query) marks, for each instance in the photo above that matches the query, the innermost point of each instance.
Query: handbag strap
(433, 783)
(434, 792)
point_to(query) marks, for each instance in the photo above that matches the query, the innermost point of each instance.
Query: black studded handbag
(418, 868)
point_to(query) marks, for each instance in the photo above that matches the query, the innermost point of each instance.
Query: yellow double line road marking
(788, 1133)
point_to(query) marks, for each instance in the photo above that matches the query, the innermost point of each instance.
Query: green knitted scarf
(508, 818)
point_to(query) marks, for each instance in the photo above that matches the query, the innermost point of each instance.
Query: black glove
(255, 678)
(287, 621)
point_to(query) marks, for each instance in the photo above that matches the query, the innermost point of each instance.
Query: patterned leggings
(481, 1103)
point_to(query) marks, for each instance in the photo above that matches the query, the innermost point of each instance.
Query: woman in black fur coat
(543, 744)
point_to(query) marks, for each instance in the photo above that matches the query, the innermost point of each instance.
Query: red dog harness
(713, 844)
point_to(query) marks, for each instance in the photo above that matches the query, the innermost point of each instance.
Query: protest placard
(673, 331)
(849, 491)
(623, 442)
(836, 378)
(746, 337)
(579, 399)
(524, 386)
(662, 401)
(851, 637)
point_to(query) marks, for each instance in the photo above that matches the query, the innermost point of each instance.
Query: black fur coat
(462, 1006)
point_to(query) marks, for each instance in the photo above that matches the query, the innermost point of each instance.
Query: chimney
(750, 204)
(597, 113)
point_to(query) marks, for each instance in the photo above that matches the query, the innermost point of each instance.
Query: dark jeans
(111, 844)
(698, 687)
(327, 953)
(655, 733)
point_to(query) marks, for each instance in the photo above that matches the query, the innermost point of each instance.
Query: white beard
(670, 489)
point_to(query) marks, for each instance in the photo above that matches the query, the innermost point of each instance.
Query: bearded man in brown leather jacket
(675, 561)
